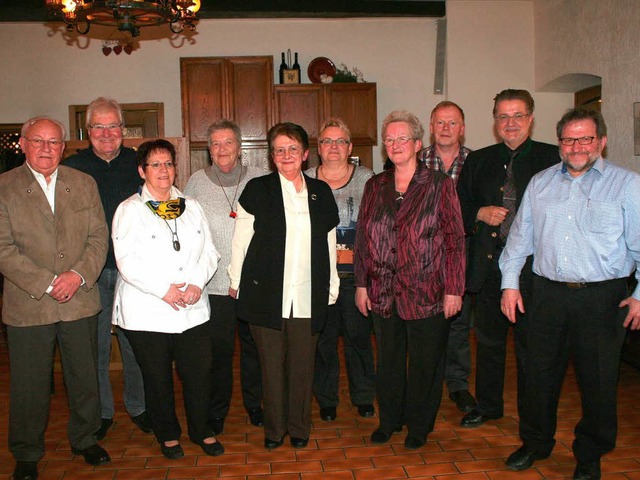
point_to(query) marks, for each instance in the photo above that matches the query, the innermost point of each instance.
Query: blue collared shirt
(579, 229)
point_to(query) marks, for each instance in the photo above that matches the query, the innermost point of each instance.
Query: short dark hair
(288, 129)
(581, 113)
(147, 148)
(446, 104)
(514, 94)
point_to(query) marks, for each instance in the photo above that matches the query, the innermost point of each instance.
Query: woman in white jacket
(165, 257)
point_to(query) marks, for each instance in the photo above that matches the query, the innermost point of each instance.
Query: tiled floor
(338, 450)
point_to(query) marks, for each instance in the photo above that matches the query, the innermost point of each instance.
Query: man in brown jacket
(53, 244)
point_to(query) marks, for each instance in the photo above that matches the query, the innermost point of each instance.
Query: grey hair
(32, 121)
(415, 125)
(224, 124)
(104, 103)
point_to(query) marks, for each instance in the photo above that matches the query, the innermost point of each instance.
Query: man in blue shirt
(581, 221)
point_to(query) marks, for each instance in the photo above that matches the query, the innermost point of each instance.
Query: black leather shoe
(523, 458)
(380, 436)
(273, 444)
(94, 455)
(587, 471)
(463, 400)
(173, 452)
(104, 428)
(217, 426)
(366, 410)
(474, 419)
(212, 449)
(414, 442)
(299, 442)
(142, 422)
(256, 417)
(25, 471)
(328, 414)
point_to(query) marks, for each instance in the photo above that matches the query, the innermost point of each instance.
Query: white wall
(490, 47)
(43, 75)
(595, 37)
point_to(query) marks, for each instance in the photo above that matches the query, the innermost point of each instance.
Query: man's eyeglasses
(388, 141)
(340, 142)
(101, 128)
(157, 165)
(281, 152)
(516, 117)
(569, 141)
(39, 142)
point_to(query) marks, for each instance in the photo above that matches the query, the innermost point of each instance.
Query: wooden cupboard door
(356, 104)
(202, 81)
(250, 87)
(301, 104)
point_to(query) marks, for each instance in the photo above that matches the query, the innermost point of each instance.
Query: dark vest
(260, 295)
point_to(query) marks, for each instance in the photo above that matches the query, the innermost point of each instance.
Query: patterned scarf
(169, 210)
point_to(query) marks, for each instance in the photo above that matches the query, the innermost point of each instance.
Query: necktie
(508, 199)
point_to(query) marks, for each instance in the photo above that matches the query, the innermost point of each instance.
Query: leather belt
(580, 285)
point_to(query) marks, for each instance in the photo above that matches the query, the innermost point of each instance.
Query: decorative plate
(320, 66)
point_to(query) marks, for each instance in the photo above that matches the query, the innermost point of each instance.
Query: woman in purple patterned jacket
(409, 272)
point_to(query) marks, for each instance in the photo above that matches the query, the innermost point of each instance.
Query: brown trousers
(286, 362)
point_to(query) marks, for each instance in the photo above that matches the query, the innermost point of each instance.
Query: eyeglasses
(39, 142)
(101, 128)
(157, 165)
(569, 141)
(516, 117)
(388, 141)
(340, 142)
(293, 151)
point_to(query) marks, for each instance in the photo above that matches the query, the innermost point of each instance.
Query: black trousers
(31, 351)
(492, 328)
(224, 324)
(585, 324)
(458, 363)
(286, 359)
(191, 351)
(345, 319)
(410, 373)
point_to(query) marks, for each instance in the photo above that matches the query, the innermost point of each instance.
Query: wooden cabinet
(237, 88)
(310, 105)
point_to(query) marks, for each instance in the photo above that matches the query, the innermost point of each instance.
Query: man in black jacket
(490, 189)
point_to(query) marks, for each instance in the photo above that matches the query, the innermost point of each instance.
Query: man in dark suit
(490, 189)
(53, 244)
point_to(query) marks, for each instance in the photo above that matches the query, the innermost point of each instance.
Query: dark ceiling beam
(35, 11)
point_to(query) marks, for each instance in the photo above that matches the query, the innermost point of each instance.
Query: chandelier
(126, 15)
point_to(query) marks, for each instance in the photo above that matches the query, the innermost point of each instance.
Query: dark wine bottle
(283, 67)
(296, 66)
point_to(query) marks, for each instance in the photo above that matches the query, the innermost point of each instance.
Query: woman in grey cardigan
(218, 188)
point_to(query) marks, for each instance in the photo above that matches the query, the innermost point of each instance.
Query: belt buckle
(576, 285)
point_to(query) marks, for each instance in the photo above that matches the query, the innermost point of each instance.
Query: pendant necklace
(321, 168)
(232, 212)
(174, 234)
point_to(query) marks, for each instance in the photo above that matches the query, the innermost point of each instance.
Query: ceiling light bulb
(195, 7)
(69, 6)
